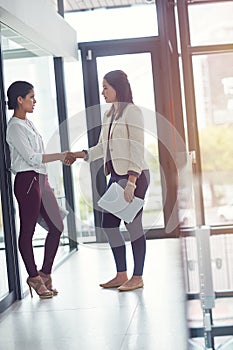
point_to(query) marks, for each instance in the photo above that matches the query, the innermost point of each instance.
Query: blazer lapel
(114, 123)
(106, 127)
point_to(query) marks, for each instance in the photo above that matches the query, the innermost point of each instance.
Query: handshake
(68, 158)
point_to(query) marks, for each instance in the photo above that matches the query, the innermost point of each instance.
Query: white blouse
(26, 146)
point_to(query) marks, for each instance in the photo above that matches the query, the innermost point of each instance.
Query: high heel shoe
(47, 279)
(38, 285)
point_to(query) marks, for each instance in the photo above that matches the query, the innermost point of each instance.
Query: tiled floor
(84, 316)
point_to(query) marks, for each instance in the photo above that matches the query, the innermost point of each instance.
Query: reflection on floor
(84, 316)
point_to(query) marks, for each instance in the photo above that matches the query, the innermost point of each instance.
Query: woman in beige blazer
(121, 144)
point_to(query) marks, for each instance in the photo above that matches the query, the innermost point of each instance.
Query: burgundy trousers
(35, 196)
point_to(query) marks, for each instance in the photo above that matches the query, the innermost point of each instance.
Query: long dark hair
(119, 81)
(17, 89)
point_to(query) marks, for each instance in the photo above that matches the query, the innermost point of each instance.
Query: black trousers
(111, 223)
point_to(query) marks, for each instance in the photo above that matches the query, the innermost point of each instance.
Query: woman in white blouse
(31, 187)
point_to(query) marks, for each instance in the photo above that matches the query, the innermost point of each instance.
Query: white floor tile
(84, 316)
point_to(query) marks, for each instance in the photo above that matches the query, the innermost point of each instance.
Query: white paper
(114, 202)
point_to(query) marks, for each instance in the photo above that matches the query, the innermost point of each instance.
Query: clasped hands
(68, 158)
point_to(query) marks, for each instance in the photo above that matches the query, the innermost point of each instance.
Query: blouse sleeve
(20, 141)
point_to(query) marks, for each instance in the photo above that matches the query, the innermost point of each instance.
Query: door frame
(10, 236)
(89, 53)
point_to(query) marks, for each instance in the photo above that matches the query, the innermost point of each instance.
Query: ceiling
(81, 5)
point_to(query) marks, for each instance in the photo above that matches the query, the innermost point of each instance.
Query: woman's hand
(129, 191)
(68, 158)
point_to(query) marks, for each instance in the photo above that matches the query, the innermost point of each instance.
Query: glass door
(140, 60)
(139, 70)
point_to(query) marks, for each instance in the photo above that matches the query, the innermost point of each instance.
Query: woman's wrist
(132, 180)
(80, 154)
(131, 184)
(86, 155)
(61, 156)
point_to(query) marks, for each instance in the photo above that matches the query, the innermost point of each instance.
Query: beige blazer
(126, 142)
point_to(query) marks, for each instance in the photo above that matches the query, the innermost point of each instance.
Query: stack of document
(114, 202)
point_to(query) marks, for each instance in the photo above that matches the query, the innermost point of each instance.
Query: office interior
(178, 55)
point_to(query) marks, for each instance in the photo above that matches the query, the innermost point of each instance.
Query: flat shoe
(125, 288)
(111, 285)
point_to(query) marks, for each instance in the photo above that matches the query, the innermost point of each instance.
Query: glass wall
(211, 35)
(21, 62)
(213, 84)
(213, 77)
(210, 108)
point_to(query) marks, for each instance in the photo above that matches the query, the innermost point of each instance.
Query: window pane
(114, 23)
(211, 23)
(214, 102)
